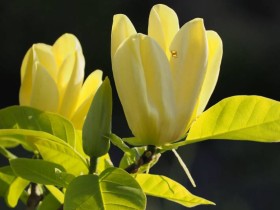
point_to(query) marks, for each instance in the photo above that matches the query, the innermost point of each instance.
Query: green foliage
(27, 118)
(61, 161)
(59, 196)
(97, 126)
(7, 177)
(41, 171)
(49, 202)
(164, 187)
(251, 118)
(11, 186)
(16, 188)
(113, 189)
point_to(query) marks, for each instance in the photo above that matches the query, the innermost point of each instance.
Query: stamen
(185, 168)
(174, 53)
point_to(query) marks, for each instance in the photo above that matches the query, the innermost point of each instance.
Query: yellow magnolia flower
(52, 79)
(164, 79)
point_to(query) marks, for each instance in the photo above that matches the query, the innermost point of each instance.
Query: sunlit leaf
(9, 142)
(15, 190)
(63, 155)
(103, 162)
(51, 149)
(49, 202)
(164, 187)
(59, 196)
(79, 144)
(6, 153)
(21, 117)
(113, 189)
(7, 177)
(118, 142)
(252, 118)
(39, 171)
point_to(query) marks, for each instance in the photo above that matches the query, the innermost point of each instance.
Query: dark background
(235, 175)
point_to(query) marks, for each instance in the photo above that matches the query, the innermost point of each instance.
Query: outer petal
(215, 52)
(44, 55)
(188, 63)
(90, 86)
(64, 46)
(44, 92)
(73, 86)
(122, 28)
(143, 81)
(26, 78)
(163, 25)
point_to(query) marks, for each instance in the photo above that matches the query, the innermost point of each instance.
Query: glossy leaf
(118, 142)
(56, 193)
(113, 189)
(97, 125)
(51, 149)
(6, 153)
(64, 155)
(164, 187)
(7, 177)
(103, 162)
(21, 117)
(252, 118)
(49, 202)
(39, 171)
(15, 190)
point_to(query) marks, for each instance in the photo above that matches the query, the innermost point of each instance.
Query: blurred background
(235, 175)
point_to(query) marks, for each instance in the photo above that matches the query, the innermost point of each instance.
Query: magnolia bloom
(164, 79)
(52, 79)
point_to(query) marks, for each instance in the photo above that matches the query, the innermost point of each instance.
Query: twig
(145, 158)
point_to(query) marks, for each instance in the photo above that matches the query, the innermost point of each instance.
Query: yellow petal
(26, 78)
(163, 25)
(122, 28)
(215, 51)
(44, 55)
(73, 87)
(65, 71)
(90, 86)
(188, 63)
(65, 45)
(26, 66)
(44, 92)
(143, 81)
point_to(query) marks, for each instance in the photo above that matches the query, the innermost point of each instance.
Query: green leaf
(51, 149)
(39, 171)
(21, 117)
(56, 193)
(97, 125)
(9, 142)
(118, 142)
(7, 177)
(252, 118)
(6, 153)
(103, 162)
(164, 187)
(15, 190)
(63, 155)
(113, 189)
(9, 187)
(49, 202)
(79, 144)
